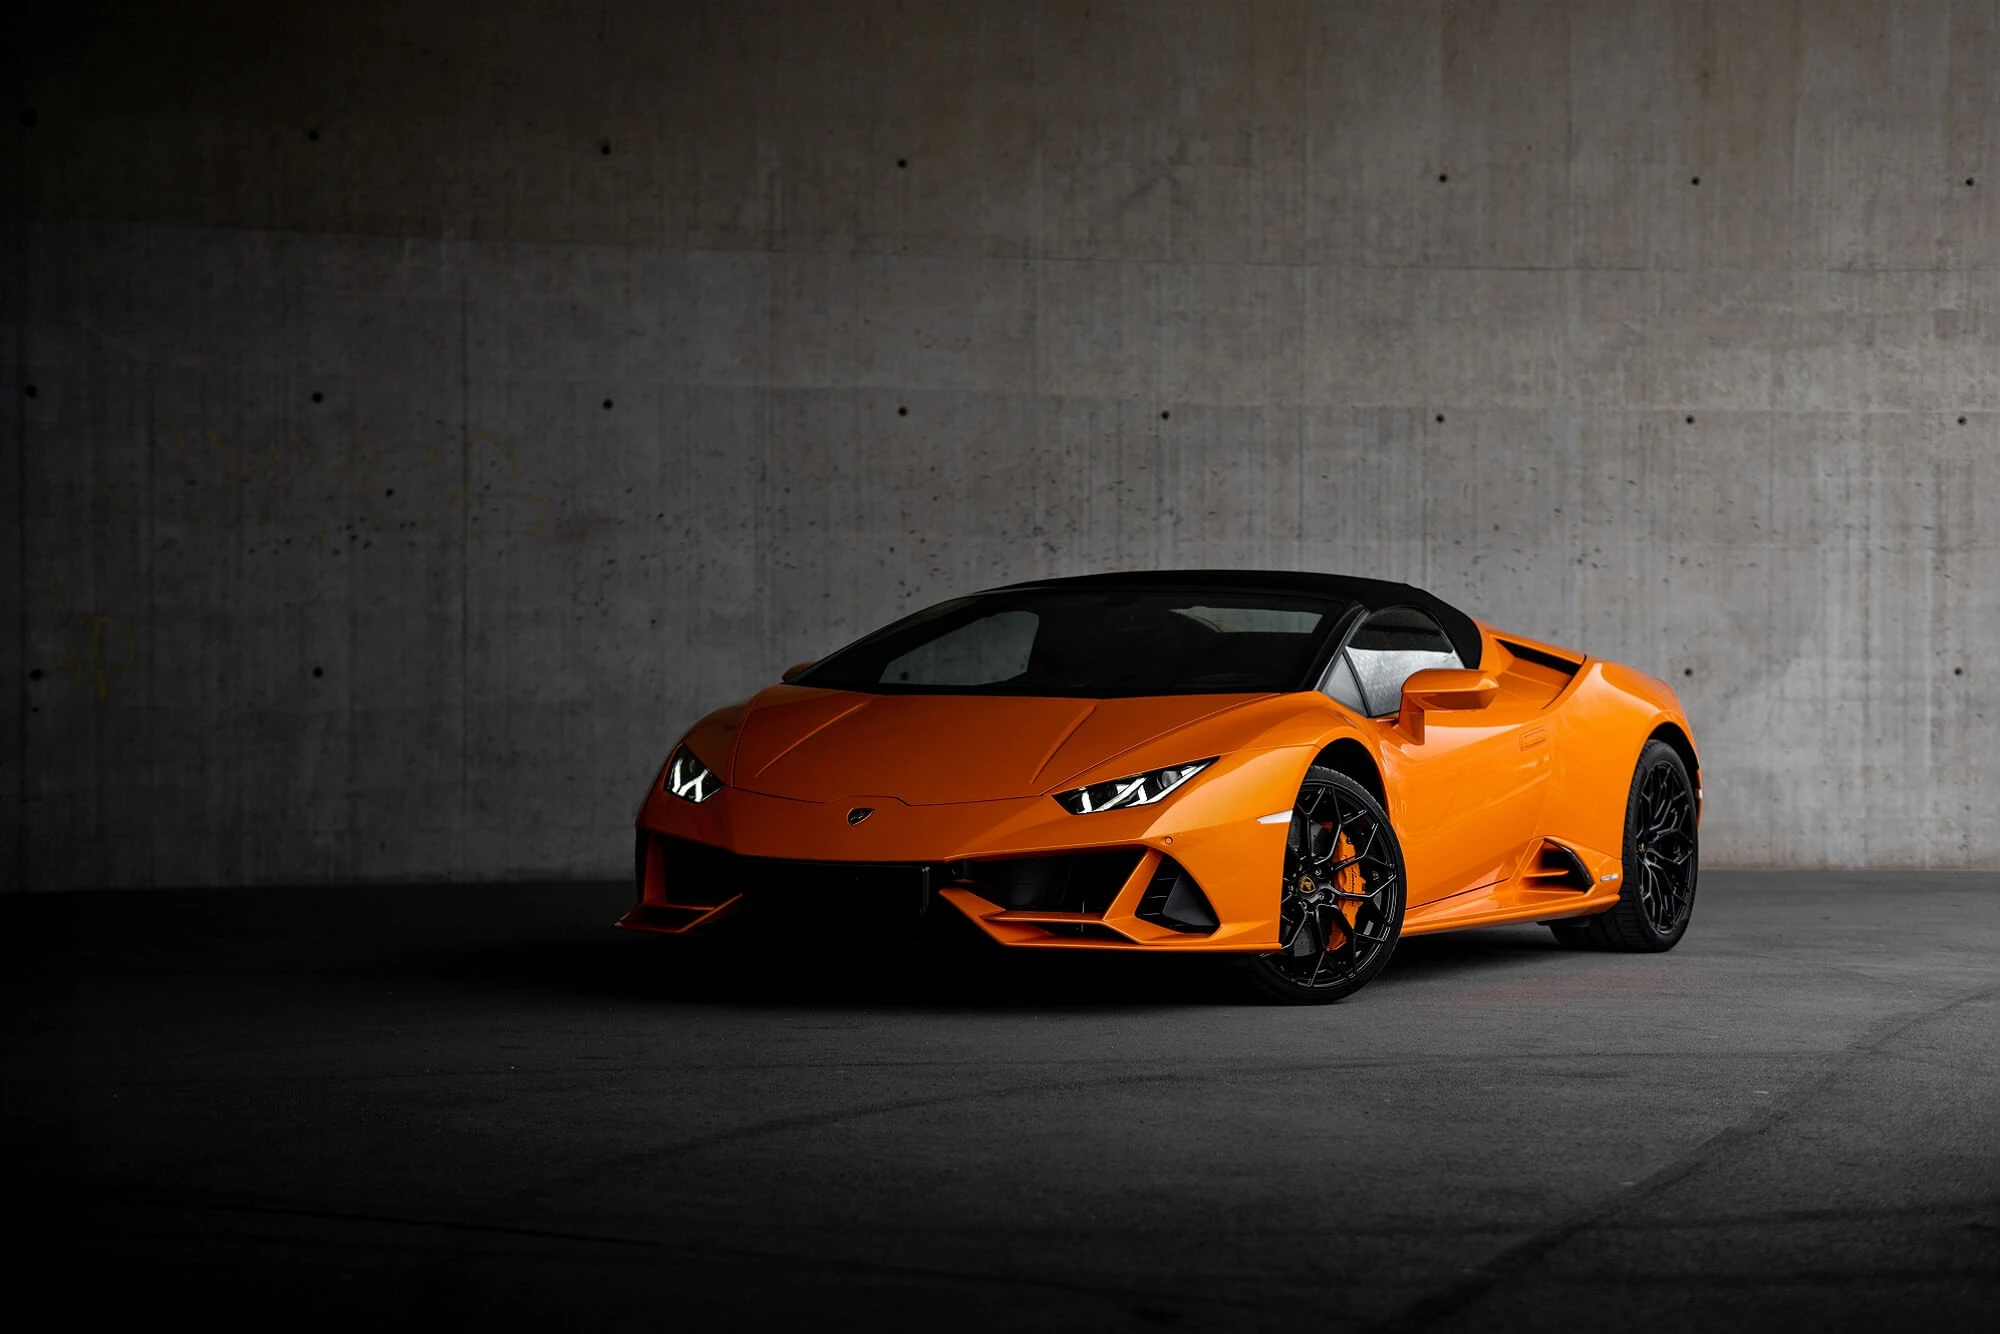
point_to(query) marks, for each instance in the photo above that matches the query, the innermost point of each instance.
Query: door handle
(1533, 737)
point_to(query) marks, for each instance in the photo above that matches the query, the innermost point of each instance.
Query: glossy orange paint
(1480, 768)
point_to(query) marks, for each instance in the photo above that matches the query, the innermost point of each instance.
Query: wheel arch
(1674, 735)
(1347, 755)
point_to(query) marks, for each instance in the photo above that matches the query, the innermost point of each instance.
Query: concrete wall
(434, 408)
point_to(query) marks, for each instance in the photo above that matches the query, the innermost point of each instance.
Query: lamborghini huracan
(1290, 770)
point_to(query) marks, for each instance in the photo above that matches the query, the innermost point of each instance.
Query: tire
(1340, 908)
(1662, 863)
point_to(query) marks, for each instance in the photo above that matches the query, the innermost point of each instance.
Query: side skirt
(1530, 895)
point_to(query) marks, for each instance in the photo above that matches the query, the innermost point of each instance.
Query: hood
(932, 750)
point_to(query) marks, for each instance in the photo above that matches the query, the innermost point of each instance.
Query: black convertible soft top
(1371, 594)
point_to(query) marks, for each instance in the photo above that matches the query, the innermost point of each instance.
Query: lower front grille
(846, 889)
(1079, 882)
(682, 883)
(695, 874)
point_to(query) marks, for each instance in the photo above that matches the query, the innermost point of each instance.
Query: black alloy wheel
(1662, 862)
(1340, 910)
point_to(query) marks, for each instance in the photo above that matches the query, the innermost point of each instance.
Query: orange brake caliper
(1347, 880)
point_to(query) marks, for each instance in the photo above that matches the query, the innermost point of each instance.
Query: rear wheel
(1662, 859)
(1341, 902)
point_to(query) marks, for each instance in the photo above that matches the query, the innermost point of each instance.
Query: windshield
(1100, 643)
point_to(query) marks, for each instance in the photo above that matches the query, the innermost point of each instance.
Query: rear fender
(1601, 726)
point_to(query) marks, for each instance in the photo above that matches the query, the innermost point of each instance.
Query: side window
(1340, 684)
(989, 650)
(1387, 649)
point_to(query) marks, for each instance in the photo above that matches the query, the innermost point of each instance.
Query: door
(1466, 800)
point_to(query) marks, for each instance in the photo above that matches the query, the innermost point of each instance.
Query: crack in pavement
(1515, 1259)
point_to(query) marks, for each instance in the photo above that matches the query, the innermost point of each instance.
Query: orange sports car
(1291, 770)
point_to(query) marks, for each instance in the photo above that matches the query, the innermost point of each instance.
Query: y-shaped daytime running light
(689, 779)
(1138, 790)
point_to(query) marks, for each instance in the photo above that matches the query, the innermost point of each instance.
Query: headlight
(1138, 790)
(688, 778)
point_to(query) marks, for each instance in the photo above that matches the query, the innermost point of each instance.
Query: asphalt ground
(411, 1105)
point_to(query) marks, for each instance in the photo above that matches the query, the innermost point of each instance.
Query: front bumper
(700, 864)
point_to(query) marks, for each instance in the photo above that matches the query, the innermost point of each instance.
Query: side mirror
(1442, 690)
(796, 670)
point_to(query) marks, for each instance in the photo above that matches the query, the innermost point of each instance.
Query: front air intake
(1073, 882)
(684, 874)
(1173, 900)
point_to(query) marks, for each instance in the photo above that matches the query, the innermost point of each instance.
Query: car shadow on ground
(555, 941)
(945, 970)
(951, 974)
(1482, 949)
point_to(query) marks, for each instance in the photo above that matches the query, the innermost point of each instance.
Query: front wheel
(1341, 901)
(1662, 859)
